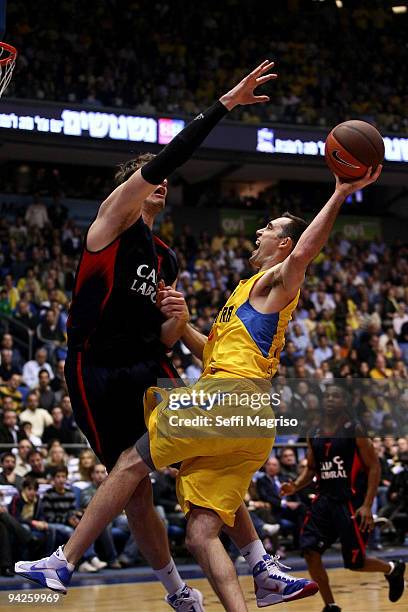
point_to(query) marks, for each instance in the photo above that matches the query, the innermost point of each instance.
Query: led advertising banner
(107, 125)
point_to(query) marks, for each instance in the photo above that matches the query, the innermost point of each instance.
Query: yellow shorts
(221, 442)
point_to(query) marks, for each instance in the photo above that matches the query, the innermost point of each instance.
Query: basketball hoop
(8, 56)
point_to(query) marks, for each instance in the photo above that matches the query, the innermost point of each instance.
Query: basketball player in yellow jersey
(245, 341)
(190, 424)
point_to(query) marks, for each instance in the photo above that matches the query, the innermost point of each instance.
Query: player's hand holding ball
(346, 188)
(354, 151)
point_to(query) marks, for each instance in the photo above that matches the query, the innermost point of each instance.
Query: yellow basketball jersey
(243, 341)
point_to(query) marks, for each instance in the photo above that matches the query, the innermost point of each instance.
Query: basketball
(352, 147)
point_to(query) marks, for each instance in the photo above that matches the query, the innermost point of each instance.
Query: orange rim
(12, 51)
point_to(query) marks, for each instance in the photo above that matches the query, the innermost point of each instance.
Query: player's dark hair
(129, 167)
(344, 392)
(30, 483)
(295, 228)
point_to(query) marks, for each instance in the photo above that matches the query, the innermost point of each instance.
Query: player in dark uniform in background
(348, 472)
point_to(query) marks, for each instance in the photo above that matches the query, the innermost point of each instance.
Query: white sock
(170, 578)
(253, 553)
(60, 555)
(392, 566)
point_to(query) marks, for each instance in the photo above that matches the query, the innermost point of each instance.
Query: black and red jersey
(113, 315)
(341, 473)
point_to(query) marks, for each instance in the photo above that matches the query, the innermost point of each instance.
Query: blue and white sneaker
(187, 600)
(273, 586)
(52, 572)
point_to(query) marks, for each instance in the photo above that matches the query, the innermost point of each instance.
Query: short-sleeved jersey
(341, 473)
(243, 341)
(113, 315)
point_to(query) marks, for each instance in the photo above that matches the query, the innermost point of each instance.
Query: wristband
(181, 148)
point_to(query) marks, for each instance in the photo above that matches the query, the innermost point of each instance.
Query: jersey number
(224, 315)
(354, 554)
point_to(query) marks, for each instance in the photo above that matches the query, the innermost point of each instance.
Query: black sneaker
(331, 608)
(396, 581)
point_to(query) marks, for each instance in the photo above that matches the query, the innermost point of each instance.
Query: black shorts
(108, 401)
(329, 520)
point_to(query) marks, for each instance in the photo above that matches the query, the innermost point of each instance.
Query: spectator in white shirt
(327, 374)
(38, 417)
(300, 339)
(194, 370)
(27, 428)
(32, 368)
(400, 318)
(323, 301)
(384, 339)
(310, 363)
(323, 352)
(37, 215)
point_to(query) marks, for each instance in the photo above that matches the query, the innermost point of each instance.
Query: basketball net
(8, 55)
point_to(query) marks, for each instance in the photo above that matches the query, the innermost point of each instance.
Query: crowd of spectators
(59, 181)
(144, 56)
(351, 324)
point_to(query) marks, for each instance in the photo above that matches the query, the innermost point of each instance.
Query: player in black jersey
(347, 470)
(117, 341)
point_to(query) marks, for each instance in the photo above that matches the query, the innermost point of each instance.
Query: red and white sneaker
(273, 586)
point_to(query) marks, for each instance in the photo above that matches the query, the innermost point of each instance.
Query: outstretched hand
(243, 92)
(348, 188)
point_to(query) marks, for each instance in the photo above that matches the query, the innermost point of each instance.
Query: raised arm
(317, 233)
(124, 205)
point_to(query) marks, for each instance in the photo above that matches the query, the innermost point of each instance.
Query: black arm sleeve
(181, 148)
